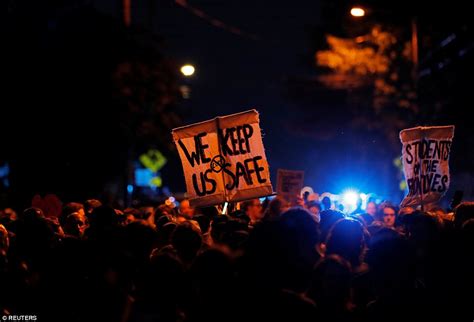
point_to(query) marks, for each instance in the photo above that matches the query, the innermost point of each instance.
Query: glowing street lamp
(187, 70)
(357, 12)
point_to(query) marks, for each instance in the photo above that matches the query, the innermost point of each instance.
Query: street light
(187, 70)
(357, 12)
(360, 12)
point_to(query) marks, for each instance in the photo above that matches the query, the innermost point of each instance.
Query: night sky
(238, 72)
(59, 59)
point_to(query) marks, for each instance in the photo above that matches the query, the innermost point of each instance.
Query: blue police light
(350, 198)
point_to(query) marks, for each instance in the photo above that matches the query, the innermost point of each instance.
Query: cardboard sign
(223, 159)
(425, 157)
(289, 183)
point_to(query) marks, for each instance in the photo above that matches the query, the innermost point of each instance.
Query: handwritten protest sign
(289, 183)
(425, 157)
(224, 159)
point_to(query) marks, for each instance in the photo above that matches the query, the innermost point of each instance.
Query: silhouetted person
(213, 287)
(72, 207)
(161, 290)
(326, 202)
(392, 264)
(347, 239)
(74, 225)
(328, 219)
(187, 241)
(275, 208)
(462, 213)
(314, 209)
(90, 205)
(253, 209)
(330, 288)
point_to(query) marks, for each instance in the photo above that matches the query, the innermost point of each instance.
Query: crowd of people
(265, 261)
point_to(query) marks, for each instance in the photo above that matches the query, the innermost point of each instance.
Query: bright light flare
(350, 197)
(188, 70)
(357, 12)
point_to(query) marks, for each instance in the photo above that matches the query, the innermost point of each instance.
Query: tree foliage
(376, 69)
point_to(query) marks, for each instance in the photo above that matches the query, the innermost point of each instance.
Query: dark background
(74, 119)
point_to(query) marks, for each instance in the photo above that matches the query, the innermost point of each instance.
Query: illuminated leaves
(375, 70)
(373, 60)
(364, 55)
